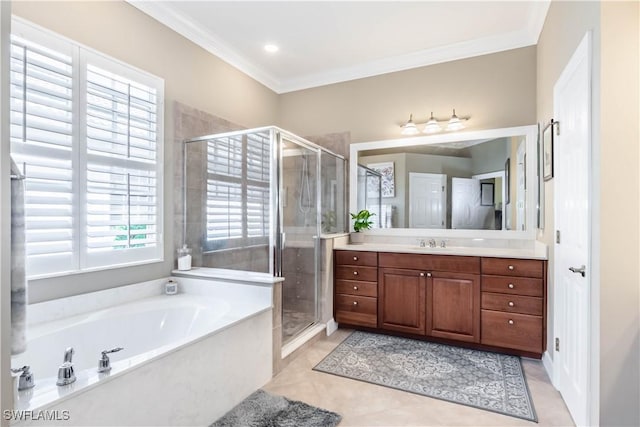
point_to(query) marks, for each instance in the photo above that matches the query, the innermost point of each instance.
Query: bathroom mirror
(470, 183)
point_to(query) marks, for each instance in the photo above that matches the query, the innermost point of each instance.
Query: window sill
(95, 270)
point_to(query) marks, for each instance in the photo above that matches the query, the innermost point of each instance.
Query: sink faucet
(432, 243)
(66, 375)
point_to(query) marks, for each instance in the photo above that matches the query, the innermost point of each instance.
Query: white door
(465, 202)
(571, 105)
(427, 200)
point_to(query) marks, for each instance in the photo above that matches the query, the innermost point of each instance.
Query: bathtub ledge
(250, 277)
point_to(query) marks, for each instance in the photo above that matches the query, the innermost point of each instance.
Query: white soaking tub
(187, 358)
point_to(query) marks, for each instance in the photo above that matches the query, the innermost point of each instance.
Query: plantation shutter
(238, 194)
(121, 178)
(41, 111)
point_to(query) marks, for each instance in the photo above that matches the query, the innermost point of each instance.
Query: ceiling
(324, 42)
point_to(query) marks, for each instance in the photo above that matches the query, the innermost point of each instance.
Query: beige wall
(497, 90)
(619, 211)
(192, 76)
(615, 208)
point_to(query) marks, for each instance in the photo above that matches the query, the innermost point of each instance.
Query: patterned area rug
(262, 409)
(491, 381)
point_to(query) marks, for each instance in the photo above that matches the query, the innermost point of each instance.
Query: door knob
(580, 270)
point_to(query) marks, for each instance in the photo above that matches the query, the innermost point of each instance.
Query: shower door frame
(280, 235)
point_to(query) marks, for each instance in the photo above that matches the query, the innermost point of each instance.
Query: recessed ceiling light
(271, 48)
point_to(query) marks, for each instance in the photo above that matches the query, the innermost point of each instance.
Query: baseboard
(547, 362)
(332, 326)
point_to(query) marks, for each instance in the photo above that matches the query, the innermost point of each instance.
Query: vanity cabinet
(513, 304)
(356, 288)
(489, 303)
(439, 296)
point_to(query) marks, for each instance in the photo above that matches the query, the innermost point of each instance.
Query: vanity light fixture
(410, 127)
(432, 125)
(455, 123)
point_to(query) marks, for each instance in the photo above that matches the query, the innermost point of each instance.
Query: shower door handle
(283, 239)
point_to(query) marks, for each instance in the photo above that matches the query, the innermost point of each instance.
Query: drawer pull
(511, 304)
(510, 322)
(355, 258)
(355, 273)
(355, 288)
(355, 303)
(510, 285)
(511, 267)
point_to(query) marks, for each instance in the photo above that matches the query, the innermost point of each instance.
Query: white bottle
(184, 258)
(171, 287)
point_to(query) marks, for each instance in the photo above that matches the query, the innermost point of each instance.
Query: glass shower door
(299, 243)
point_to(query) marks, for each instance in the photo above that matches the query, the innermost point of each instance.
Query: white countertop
(539, 251)
(226, 274)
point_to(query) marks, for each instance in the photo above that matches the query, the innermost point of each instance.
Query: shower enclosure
(258, 200)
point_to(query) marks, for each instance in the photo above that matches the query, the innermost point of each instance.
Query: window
(86, 130)
(237, 209)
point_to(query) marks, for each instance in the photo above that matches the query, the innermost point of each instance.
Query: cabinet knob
(421, 274)
(511, 267)
(510, 322)
(428, 274)
(355, 273)
(355, 288)
(510, 304)
(355, 258)
(510, 285)
(355, 303)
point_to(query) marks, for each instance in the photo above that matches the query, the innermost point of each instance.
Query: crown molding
(168, 16)
(164, 13)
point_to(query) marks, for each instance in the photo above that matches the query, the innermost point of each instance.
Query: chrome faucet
(104, 364)
(432, 243)
(26, 380)
(422, 243)
(66, 375)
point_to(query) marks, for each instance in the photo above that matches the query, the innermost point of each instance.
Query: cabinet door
(453, 306)
(402, 300)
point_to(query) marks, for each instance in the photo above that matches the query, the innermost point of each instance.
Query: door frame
(584, 49)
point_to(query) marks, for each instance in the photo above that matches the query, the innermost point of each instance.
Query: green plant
(361, 220)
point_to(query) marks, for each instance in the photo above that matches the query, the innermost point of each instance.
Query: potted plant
(361, 221)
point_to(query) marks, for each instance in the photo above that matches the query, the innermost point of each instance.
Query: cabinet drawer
(513, 267)
(367, 274)
(356, 304)
(354, 287)
(459, 264)
(369, 259)
(512, 330)
(356, 310)
(512, 303)
(512, 285)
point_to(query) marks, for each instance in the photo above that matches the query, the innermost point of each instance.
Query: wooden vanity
(477, 301)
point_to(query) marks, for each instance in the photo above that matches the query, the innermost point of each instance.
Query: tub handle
(104, 364)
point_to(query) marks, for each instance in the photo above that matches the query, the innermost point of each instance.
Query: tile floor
(363, 404)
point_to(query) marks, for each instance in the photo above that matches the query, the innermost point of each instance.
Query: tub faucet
(104, 364)
(66, 375)
(26, 380)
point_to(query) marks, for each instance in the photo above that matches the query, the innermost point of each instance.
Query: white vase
(357, 238)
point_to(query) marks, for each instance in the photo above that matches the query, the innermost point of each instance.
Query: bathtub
(187, 358)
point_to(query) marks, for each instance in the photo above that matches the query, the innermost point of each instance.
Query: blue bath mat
(262, 409)
(490, 381)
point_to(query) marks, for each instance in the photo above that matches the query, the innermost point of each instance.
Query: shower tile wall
(190, 123)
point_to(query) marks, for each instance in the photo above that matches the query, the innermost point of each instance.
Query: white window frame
(81, 57)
